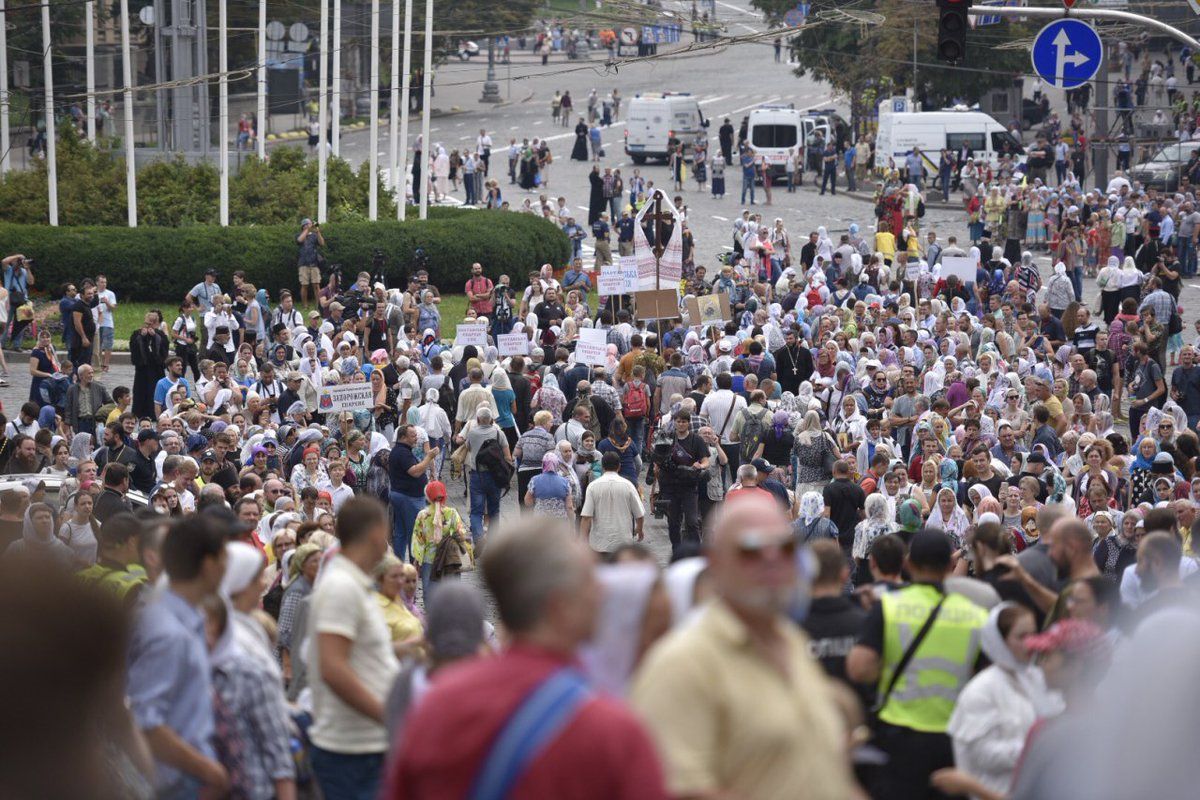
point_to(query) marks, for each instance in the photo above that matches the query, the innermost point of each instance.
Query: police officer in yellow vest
(116, 568)
(921, 646)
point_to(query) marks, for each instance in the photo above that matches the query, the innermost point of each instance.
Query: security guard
(116, 569)
(921, 646)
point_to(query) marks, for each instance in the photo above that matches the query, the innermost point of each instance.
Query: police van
(933, 131)
(656, 120)
(774, 129)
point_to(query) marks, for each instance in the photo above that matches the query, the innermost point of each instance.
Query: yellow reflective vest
(118, 581)
(924, 696)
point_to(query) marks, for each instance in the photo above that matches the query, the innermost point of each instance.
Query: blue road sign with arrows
(1067, 53)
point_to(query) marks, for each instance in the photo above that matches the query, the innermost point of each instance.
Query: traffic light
(952, 30)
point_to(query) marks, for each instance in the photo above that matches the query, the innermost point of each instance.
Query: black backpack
(490, 459)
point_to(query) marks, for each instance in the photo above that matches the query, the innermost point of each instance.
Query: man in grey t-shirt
(485, 492)
(1185, 236)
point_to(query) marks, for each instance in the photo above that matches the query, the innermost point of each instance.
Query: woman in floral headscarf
(813, 524)
(947, 516)
(876, 523)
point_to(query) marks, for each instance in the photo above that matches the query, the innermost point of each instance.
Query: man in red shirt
(548, 597)
(479, 291)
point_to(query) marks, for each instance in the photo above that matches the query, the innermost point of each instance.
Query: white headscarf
(611, 655)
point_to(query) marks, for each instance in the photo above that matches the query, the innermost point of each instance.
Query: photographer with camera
(679, 463)
(18, 277)
(309, 261)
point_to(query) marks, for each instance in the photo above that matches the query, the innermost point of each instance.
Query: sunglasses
(753, 546)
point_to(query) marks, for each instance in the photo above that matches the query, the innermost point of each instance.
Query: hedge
(157, 263)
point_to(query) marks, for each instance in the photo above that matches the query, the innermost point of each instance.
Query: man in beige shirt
(735, 702)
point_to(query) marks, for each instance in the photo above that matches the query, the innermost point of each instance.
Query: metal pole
(914, 79)
(4, 156)
(322, 112)
(127, 100)
(1100, 151)
(401, 178)
(51, 156)
(89, 31)
(491, 91)
(337, 78)
(394, 109)
(1085, 13)
(223, 108)
(427, 93)
(373, 190)
(261, 143)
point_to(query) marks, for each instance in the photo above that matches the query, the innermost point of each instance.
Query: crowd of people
(883, 489)
(917, 521)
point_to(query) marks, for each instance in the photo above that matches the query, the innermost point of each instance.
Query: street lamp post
(491, 89)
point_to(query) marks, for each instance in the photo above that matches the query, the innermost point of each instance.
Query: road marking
(747, 27)
(1194, 285)
(735, 8)
(459, 124)
(514, 127)
(538, 122)
(754, 105)
(582, 208)
(463, 138)
(715, 99)
(723, 219)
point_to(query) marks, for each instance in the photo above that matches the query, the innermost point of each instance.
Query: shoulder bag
(907, 658)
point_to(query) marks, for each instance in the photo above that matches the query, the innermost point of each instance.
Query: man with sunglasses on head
(741, 674)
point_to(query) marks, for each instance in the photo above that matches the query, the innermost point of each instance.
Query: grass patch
(129, 316)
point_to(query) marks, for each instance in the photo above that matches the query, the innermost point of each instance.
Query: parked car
(54, 484)
(1164, 169)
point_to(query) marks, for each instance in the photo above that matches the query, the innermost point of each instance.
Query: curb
(359, 126)
(118, 357)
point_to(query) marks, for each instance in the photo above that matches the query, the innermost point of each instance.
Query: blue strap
(540, 717)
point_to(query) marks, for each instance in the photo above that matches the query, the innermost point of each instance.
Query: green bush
(162, 264)
(172, 192)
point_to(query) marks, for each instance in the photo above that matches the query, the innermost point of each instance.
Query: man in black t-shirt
(834, 621)
(84, 325)
(679, 475)
(846, 501)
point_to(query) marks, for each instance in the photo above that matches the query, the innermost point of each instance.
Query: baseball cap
(762, 465)
(314, 313)
(209, 455)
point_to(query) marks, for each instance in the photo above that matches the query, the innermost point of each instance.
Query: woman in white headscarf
(1059, 291)
(635, 612)
(996, 709)
(242, 660)
(948, 517)
(434, 420)
(686, 589)
(441, 173)
(813, 524)
(824, 245)
(1109, 281)
(876, 523)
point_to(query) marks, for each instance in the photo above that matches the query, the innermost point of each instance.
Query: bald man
(714, 691)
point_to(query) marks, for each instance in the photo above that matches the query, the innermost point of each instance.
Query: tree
(871, 48)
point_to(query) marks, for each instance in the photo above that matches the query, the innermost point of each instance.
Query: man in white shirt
(612, 513)
(106, 306)
(351, 660)
(722, 408)
(483, 149)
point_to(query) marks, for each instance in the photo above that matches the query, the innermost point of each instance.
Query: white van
(655, 119)
(775, 129)
(933, 131)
